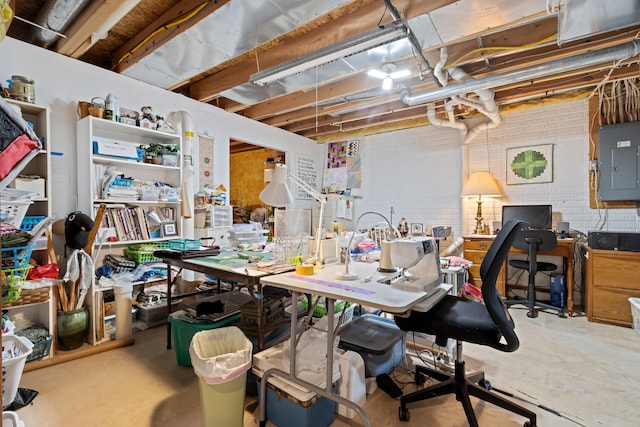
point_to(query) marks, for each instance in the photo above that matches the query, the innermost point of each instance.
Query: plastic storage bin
(289, 404)
(221, 358)
(288, 410)
(183, 330)
(378, 340)
(15, 351)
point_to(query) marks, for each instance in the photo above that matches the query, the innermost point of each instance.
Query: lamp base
(346, 276)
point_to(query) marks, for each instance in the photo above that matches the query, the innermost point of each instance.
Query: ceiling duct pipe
(615, 53)
(413, 40)
(55, 15)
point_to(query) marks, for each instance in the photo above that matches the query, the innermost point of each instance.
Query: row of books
(128, 223)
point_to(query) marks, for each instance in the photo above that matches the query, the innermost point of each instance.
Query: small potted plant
(153, 153)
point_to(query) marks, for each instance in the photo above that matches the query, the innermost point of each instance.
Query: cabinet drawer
(616, 271)
(479, 245)
(475, 257)
(613, 305)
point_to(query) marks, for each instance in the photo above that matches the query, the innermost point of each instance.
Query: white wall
(61, 82)
(419, 172)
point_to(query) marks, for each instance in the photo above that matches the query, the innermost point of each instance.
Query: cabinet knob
(483, 245)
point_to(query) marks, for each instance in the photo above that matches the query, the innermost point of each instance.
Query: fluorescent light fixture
(387, 83)
(379, 36)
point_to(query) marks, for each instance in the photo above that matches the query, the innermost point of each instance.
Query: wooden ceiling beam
(292, 45)
(81, 31)
(163, 29)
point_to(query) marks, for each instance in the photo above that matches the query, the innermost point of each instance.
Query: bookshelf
(139, 197)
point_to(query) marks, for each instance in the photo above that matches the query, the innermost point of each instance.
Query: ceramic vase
(72, 328)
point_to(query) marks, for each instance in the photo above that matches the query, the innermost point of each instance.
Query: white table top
(366, 290)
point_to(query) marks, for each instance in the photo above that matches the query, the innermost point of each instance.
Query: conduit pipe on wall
(182, 122)
(611, 54)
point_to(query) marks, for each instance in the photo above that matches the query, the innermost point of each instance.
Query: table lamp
(481, 184)
(277, 194)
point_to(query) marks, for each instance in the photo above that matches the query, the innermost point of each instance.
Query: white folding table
(367, 290)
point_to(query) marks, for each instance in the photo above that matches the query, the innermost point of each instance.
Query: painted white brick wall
(418, 172)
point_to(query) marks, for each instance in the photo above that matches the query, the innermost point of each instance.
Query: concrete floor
(586, 373)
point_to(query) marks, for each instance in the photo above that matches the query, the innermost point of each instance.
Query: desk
(476, 246)
(323, 283)
(227, 266)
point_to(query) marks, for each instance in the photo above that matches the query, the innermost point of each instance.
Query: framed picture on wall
(169, 229)
(530, 165)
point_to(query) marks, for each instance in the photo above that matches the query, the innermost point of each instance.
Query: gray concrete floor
(585, 373)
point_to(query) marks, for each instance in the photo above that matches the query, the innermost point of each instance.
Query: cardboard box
(31, 183)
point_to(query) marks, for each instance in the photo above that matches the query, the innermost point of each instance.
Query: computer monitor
(537, 216)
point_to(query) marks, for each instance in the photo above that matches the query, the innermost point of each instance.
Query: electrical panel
(619, 161)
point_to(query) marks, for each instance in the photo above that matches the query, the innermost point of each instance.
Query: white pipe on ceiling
(611, 54)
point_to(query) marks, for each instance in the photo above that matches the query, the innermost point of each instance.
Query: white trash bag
(220, 355)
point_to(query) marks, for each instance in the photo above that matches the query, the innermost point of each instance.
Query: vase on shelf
(72, 328)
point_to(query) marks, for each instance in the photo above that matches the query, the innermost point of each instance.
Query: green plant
(156, 149)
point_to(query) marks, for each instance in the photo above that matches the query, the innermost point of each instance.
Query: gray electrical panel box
(619, 161)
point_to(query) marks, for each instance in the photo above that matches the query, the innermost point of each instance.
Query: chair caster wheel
(485, 383)
(263, 424)
(528, 424)
(403, 414)
(531, 314)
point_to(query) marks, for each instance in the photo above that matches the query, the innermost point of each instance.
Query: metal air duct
(56, 15)
(611, 54)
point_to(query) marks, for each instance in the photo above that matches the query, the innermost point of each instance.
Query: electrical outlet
(593, 166)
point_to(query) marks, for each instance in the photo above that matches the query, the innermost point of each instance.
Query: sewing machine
(418, 262)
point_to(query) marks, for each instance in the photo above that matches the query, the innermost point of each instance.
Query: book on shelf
(129, 223)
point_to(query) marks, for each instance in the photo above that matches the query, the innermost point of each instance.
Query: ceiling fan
(388, 74)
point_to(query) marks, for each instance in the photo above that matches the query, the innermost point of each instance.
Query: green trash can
(221, 358)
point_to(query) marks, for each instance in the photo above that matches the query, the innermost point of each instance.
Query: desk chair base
(463, 387)
(532, 303)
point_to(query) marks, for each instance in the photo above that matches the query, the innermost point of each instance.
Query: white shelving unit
(38, 313)
(40, 165)
(91, 168)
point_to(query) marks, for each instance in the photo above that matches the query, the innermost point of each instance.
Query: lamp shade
(277, 193)
(481, 184)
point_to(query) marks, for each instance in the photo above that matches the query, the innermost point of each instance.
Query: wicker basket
(29, 296)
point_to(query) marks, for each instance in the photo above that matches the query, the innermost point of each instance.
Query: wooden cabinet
(475, 249)
(611, 278)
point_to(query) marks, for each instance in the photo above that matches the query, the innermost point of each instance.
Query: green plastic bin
(183, 331)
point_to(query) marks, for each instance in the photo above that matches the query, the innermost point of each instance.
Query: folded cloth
(174, 254)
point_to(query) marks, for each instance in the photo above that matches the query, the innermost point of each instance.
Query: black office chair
(471, 321)
(534, 241)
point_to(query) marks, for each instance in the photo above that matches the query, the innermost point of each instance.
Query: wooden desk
(476, 247)
(611, 278)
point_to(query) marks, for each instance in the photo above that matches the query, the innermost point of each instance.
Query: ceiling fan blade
(377, 74)
(399, 74)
